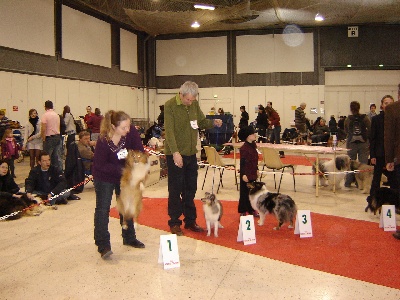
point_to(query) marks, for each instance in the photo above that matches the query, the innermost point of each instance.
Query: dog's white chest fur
(139, 173)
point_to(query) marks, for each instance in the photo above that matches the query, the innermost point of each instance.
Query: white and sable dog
(282, 206)
(212, 208)
(364, 178)
(341, 163)
(135, 172)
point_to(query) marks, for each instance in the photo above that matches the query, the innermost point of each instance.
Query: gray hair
(303, 104)
(189, 87)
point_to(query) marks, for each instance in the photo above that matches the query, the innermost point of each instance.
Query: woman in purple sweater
(116, 136)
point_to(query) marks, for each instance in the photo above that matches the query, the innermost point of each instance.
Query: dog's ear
(212, 197)
(207, 194)
(250, 185)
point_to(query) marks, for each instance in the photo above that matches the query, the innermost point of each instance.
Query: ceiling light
(349, 66)
(195, 24)
(202, 6)
(381, 65)
(319, 18)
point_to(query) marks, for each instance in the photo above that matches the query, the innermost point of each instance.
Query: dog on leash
(364, 178)
(134, 174)
(341, 163)
(213, 210)
(23, 205)
(282, 206)
(383, 196)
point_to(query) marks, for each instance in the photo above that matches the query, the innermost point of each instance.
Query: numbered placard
(388, 218)
(303, 224)
(247, 232)
(168, 254)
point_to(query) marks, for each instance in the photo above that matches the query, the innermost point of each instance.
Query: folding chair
(214, 159)
(271, 160)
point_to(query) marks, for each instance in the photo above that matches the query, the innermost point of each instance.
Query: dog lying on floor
(364, 179)
(282, 206)
(341, 163)
(24, 205)
(135, 172)
(383, 196)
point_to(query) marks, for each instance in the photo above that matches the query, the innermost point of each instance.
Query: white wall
(31, 91)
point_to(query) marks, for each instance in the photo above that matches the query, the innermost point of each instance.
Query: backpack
(357, 129)
(63, 126)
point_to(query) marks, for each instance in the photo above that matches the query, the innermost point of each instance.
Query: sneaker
(134, 243)
(176, 229)
(105, 253)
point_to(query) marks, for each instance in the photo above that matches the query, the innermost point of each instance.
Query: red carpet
(288, 159)
(346, 247)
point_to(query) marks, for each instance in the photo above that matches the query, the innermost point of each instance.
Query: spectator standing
(32, 140)
(372, 111)
(160, 118)
(4, 123)
(244, 117)
(262, 124)
(70, 129)
(300, 119)
(9, 149)
(117, 135)
(392, 146)
(50, 133)
(88, 115)
(377, 146)
(358, 128)
(183, 118)
(94, 124)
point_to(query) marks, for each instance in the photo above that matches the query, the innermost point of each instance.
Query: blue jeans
(104, 192)
(276, 135)
(182, 187)
(53, 145)
(360, 151)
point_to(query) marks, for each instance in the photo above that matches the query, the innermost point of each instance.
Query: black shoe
(194, 227)
(62, 201)
(73, 197)
(134, 243)
(397, 235)
(105, 253)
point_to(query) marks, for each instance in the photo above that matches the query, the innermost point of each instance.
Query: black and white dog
(341, 163)
(23, 205)
(282, 206)
(383, 196)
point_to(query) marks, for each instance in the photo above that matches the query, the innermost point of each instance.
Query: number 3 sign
(303, 224)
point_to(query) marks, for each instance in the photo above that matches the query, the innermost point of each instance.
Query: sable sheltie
(383, 196)
(364, 179)
(24, 205)
(282, 206)
(135, 172)
(212, 208)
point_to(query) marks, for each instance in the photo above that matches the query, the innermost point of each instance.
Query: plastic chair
(214, 159)
(271, 160)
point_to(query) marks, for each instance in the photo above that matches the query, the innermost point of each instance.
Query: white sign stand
(388, 218)
(303, 224)
(246, 232)
(168, 254)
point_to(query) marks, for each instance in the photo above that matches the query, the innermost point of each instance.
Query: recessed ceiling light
(381, 65)
(202, 6)
(349, 66)
(319, 18)
(195, 24)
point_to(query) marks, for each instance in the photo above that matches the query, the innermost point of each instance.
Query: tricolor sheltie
(212, 213)
(282, 206)
(135, 172)
(23, 205)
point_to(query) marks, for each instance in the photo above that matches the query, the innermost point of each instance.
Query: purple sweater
(106, 165)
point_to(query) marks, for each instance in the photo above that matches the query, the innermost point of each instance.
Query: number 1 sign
(246, 232)
(168, 254)
(303, 224)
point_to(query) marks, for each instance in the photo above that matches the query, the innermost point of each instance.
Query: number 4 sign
(246, 232)
(388, 218)
(303, 224)
(168, 254)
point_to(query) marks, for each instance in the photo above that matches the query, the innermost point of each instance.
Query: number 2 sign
(246, 232)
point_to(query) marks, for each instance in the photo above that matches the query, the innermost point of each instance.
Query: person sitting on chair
(46, 179)
(321, 132)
